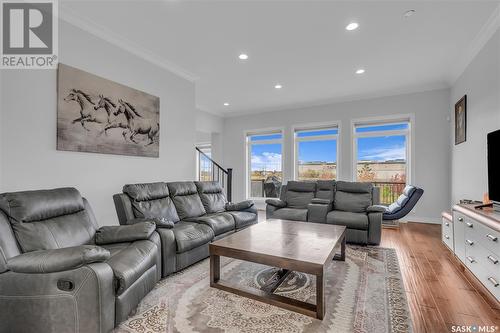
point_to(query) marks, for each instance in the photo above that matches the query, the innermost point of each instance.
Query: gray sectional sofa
(60, 272)
(351, 204)
(189, 215)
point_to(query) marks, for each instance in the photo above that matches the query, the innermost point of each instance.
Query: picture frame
(461, 120)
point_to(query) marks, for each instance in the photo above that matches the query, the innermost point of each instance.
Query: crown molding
(106, 34)
(483, 36)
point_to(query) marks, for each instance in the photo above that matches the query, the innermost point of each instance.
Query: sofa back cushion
(49, 219)
(353, 197)
(186, 199)
(151, 200)
(325, 189)
(212, 196)
(299, 194)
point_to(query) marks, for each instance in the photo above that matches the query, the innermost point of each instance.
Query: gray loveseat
(189, 215)
(351, 204)
(60, 272)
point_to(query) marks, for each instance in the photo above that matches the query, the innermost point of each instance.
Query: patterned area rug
(363, 294)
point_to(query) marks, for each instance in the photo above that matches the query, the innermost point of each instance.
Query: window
(204, 165)
(316, 153)
(382, 155)
(265, 161)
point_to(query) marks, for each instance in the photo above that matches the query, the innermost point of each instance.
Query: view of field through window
(265, 164)
(316, 154)
(382, 158)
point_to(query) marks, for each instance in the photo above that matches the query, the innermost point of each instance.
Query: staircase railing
(216, 173)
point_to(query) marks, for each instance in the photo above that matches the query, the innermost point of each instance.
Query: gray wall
(431, 158)
(481, 82)
(213, 126)
(29, 157)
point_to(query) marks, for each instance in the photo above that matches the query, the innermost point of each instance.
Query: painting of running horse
(101, 116)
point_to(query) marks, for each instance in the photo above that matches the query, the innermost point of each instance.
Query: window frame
(201, 146)
(312, 127)
(385, 120)
(248, 152)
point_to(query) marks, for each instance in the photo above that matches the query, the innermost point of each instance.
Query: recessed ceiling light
(278, 86)
(226, 104)
(243, 56)
(352, 26)
(360, 71)
(409, 13)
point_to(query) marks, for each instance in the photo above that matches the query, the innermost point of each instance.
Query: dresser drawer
(480, 255)
(459, 235)
(447, 233)
(483, 235)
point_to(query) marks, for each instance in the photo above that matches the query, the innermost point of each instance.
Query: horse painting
(101, 116)
(114, 121)
(87, 112)
(137, 124)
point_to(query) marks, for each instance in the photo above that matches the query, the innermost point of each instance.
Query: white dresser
(476, 242)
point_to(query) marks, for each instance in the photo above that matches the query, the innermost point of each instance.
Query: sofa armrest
(236, 206)
(376, 209)
(57, 260)
(124, 233)
(374, 228)
(278, 203)
(316, 212)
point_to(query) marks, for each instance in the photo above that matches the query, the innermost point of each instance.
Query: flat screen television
(494, 168)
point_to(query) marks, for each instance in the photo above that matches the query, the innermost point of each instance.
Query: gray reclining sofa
(60, 272)
(351, 204)
(189, 216)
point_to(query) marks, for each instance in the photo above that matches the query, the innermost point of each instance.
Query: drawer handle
(461, 219)
(447, 224)
(493, 238)
(446, 236)
(493, 281)
(493, 260)
(470, 242)
(471, 259)
(470, 225)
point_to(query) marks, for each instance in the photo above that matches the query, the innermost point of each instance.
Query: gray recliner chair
(189, 215)
(60, 272)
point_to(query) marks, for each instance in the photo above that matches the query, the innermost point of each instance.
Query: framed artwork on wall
(461, 120)
(101, 116)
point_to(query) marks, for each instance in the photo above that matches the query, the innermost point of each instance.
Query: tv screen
(494, 166)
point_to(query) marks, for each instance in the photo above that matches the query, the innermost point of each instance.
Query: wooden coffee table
(289, 245)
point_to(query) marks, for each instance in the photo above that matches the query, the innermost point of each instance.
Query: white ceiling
(302, 45)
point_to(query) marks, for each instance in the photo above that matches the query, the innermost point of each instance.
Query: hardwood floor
(439, 295)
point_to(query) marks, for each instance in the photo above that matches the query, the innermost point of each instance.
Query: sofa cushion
(186, 199)
(190, 235)
(32, 206)
(151, 200)
(299, 194)
(402, 199)
(325, 189)
(212, 196)
(353, 197)
(350, 220)
(129, 261)
(243, 219)
(295, 214)
(219, 222)
(146, 191)
(49, 219)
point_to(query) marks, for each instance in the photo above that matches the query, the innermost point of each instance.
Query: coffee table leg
(320, 296)
(214, 269)
(342, 249)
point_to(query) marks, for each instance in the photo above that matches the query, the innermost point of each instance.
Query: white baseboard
(419, 219)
